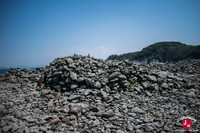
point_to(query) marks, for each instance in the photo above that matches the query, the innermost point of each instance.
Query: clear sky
(34, 32)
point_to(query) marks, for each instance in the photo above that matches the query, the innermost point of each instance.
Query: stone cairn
(82, 72)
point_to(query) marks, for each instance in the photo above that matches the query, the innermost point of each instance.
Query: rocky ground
(84, 94)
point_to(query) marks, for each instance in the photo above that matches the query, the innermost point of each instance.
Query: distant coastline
(3, 70)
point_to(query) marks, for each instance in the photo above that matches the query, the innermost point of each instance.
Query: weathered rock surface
(84, 94)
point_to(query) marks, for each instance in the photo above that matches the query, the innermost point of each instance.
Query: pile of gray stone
(188, 66)
(82, 72)
(70, 73)
(84, 94)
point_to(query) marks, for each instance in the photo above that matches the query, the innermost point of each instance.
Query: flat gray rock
(73, 76)
(73, 97)
(138, 110)
(162, 74)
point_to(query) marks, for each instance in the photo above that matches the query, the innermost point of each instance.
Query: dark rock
(73, 76)
(97, 85)
(78, 107)
(130, 127)
(122, 77)
(138, 110)
(145, 85)
(164, 85)
(162, 74)
(75, 109)
(87, 92)
(148, 128)
(69, 60)
(80, 79)
(66, 120)
(73, 97)
(55, 121)
(104, 95)
(152, 78)
(7, 128)
(73, 86)
(1, 112)
(191, 94)
(108, 113)
(88, 82)
(114, 75)
(56, 74)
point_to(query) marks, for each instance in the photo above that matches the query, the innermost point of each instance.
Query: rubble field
(84, 94)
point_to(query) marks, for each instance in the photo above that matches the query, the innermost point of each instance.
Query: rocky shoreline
(84, 94)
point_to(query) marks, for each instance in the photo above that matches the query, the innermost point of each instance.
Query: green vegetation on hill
(162, 51)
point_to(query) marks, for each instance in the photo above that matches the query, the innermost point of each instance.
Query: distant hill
(162, 51)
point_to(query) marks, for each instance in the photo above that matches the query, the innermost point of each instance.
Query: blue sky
(34, 32)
